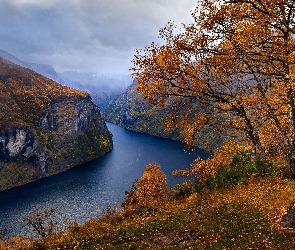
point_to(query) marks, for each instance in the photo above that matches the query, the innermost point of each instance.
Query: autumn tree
(236, 60)
(149, 190)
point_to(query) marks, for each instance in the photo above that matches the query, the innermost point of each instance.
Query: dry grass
(246, 217)
(256, 213)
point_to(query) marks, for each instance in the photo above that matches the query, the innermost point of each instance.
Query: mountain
(43, 69)
(45, 128)
(131, 111)
(12, 58)
(48, 71)
(101, 87)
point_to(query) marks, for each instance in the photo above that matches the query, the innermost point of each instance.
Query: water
(84, 191)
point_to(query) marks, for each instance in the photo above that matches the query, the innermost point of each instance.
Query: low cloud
(85, 35)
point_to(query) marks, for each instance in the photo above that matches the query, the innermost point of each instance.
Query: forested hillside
(45, 128)
(131, 111)
(25, 94)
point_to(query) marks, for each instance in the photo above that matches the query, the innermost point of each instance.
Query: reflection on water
(84, 190)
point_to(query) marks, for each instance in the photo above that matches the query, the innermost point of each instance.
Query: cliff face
(59, 130)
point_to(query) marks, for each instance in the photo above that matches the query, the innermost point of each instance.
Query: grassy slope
(246, 216)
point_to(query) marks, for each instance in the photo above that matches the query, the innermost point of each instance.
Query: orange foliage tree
(236, 61)
(149, 190)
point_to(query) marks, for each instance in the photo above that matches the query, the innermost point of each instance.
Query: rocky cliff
(45, 128)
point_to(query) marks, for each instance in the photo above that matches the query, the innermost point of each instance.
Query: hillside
(243, 205)
(101, 87)
(45, 127)
(131, 111)
(25, 94)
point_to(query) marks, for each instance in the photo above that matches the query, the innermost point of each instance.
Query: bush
(46, 222)
(238, 171)
(183, 190)
(149, 190)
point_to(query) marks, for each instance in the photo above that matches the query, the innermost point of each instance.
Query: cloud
(85, 35)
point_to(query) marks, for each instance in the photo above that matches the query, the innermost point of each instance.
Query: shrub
(47, 222)
(44, 223)
(182, 190)
(149, 190)
(231, 165)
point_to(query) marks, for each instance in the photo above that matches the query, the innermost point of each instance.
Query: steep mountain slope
(131, 111)
(45, 128)
(102, 88)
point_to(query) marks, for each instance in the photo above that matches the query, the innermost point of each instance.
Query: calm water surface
(85, 190)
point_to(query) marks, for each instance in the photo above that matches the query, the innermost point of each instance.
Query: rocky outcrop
(60, 130)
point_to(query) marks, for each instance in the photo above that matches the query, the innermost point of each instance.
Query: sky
(86, 35)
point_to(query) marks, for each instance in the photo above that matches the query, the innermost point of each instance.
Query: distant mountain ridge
(43, 69)
(101, 87)
(14, 59)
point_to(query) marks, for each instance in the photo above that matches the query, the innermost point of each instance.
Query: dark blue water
(84, 191)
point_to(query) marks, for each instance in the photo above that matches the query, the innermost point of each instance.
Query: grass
(244, 215)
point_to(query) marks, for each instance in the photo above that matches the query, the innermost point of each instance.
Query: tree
(236, 60)
(151, 189)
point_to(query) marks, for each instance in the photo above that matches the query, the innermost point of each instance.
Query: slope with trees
(237, 57)
(45, 128)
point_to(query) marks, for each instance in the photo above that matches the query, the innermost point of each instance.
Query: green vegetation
(151, 119)
(13, 174)
(141, 116)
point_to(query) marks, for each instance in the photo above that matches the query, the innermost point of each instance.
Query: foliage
(131, 111)
(44, 223)
(231, 166)
(182, 190)
(47, 222)
(24, 95)
(236, 60)
(150, 190)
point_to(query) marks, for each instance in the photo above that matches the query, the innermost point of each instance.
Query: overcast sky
(85, 35)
